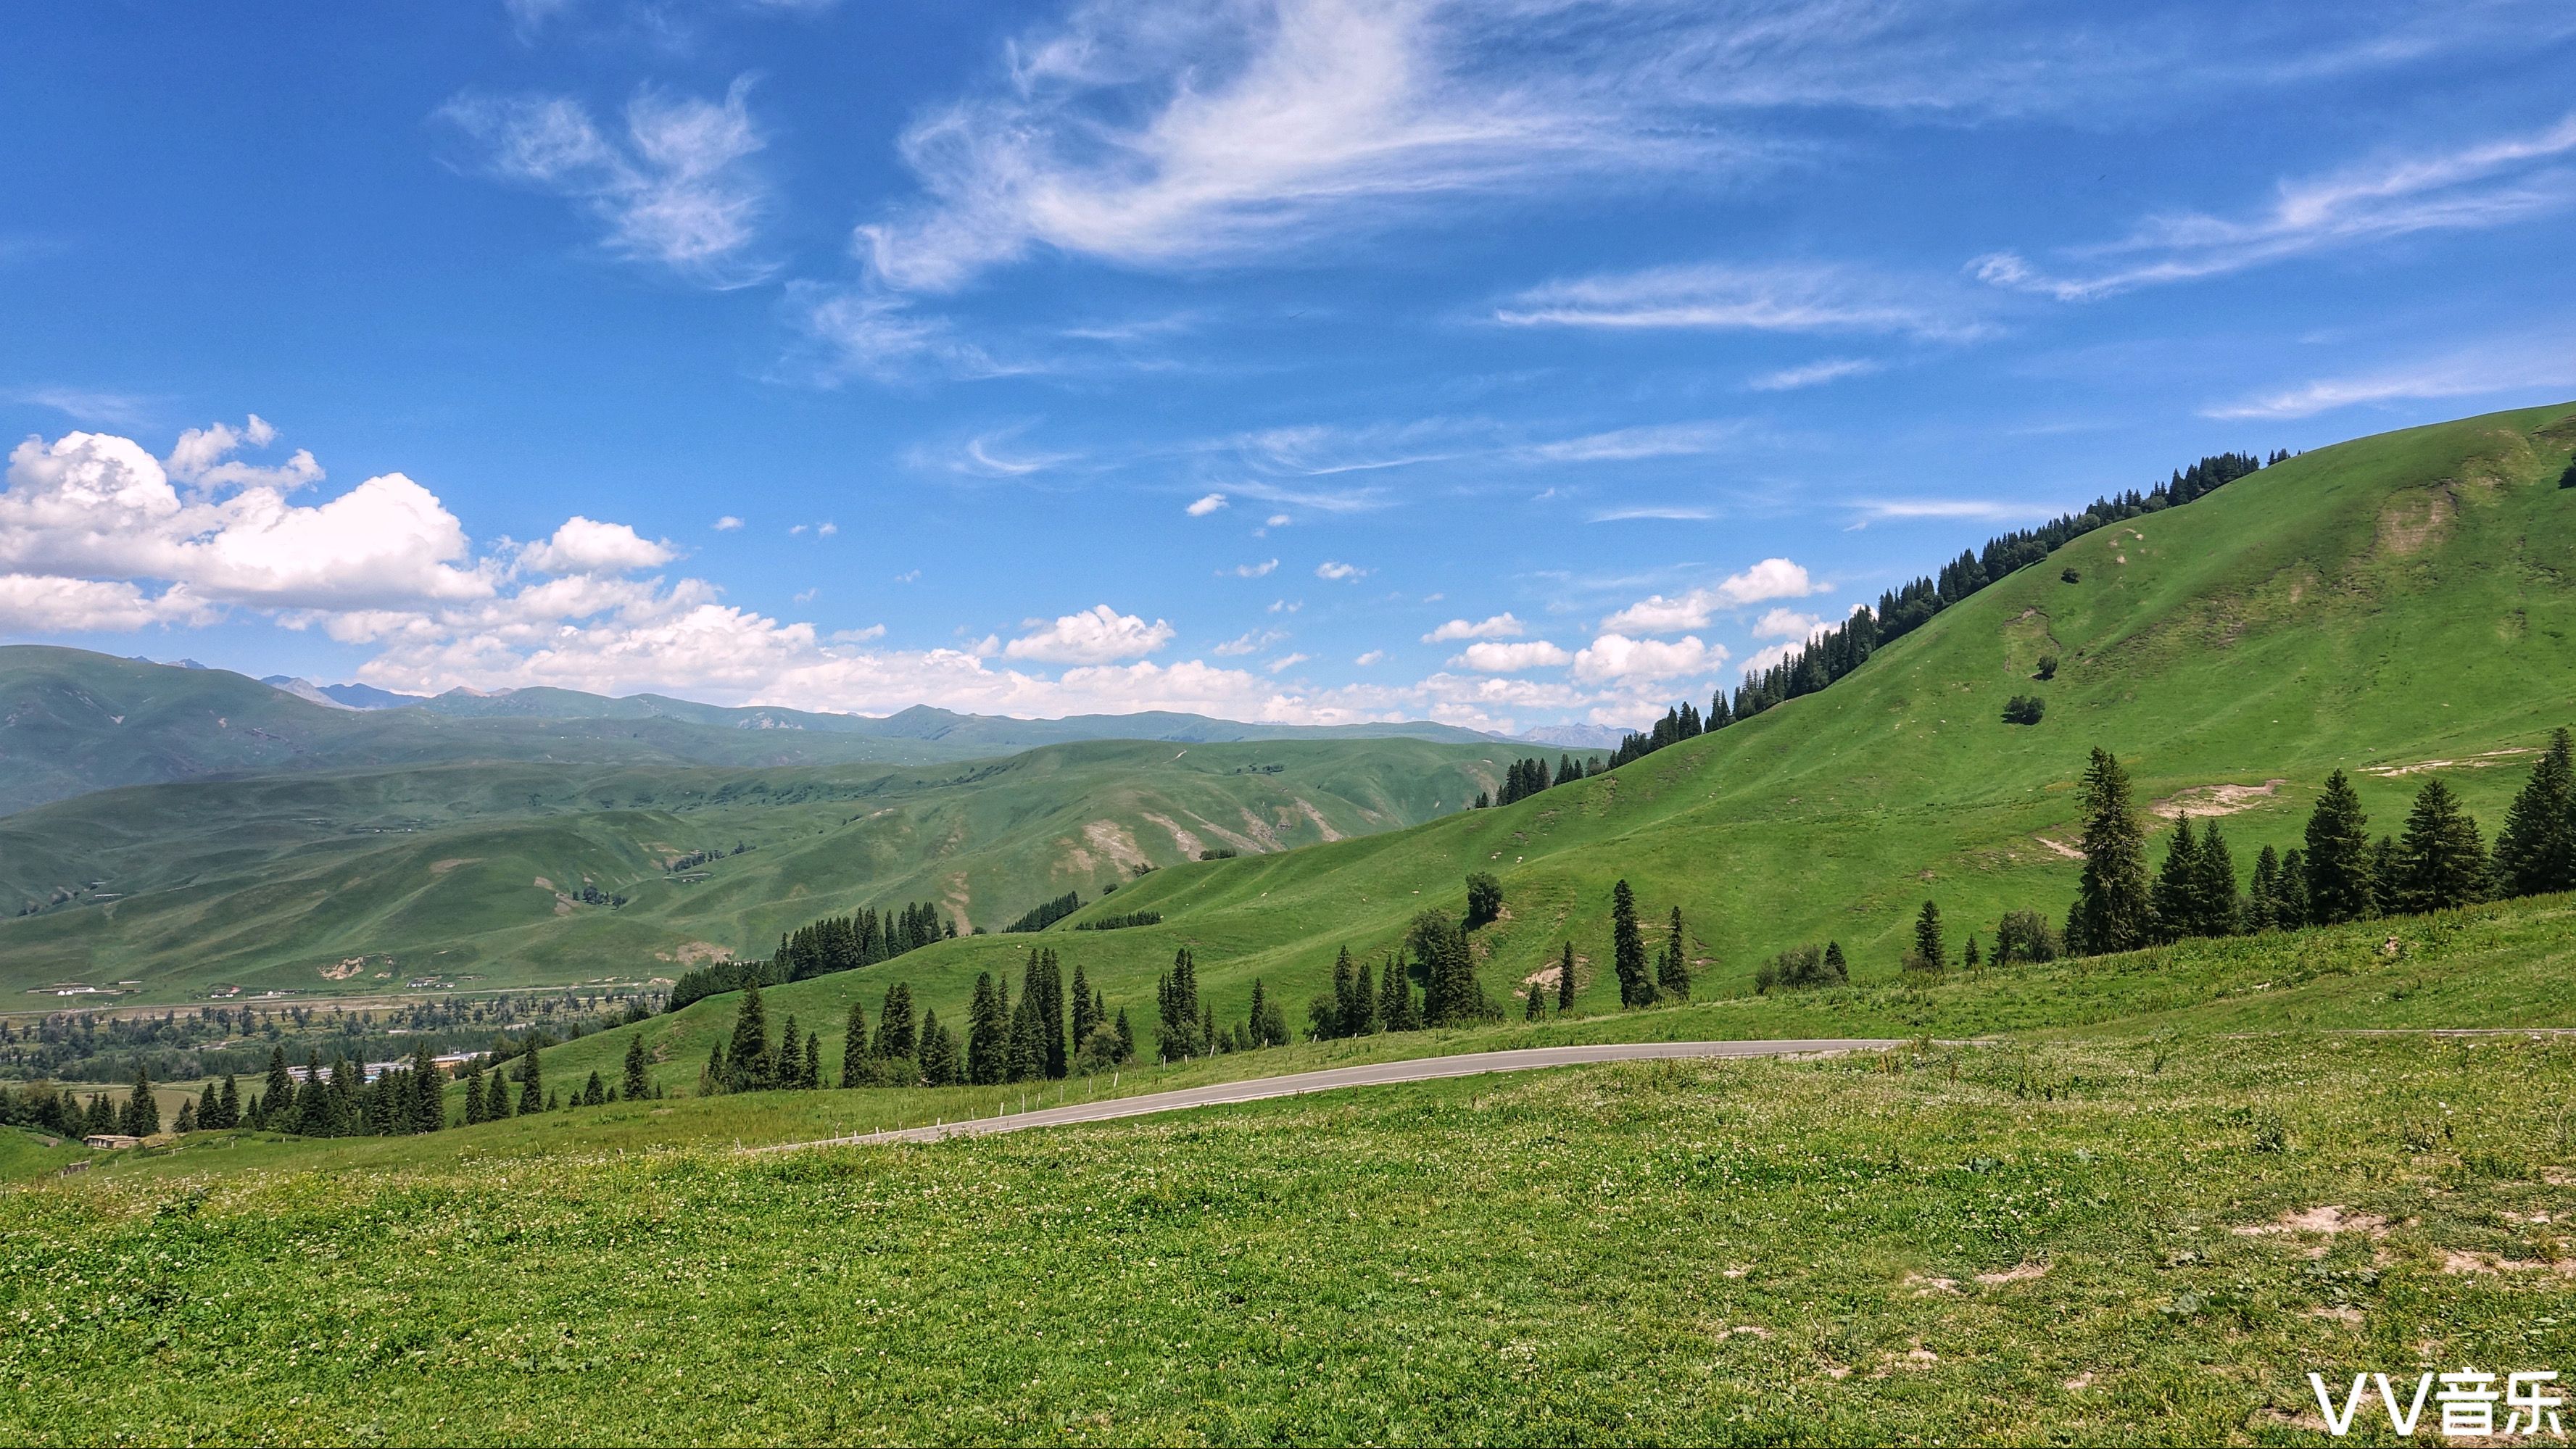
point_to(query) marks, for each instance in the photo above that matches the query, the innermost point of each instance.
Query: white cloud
(1374, 656)
(200, 459)
(94, 504)
(1500, 626)
(1510, 658)
(676, 189)
(826, 529)
(981, 457)
(1786, 624)
(1339, 572)
(1205, 506)
(1287, 662)
(1667, 512)
(1616, 657)
(1983, 508)
(1657, 440)
(583, 546)
(1772, 578)
(1282, 606)
(2546, 367)
(1097, 635)
(1255, 571)
(85, 404)
(2488, 184)
(1814, 374)
(727, 524)
(1276, 520)
(49, 604)
(1799, 298)
(1250, 642)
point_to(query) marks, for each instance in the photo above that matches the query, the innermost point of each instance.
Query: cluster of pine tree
(1802, 967)
(337, 1103)
(1669, 978)
(1678, 724)
(1120, 923)
(1900, 611)
(837, 943)
(2339, 873)
(1045, 914)
(1526, 777)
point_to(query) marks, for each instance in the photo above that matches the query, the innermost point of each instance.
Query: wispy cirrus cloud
(1814, 374)
(1724, 297)
(2486, 184)
(2516, 366)
(672, 185)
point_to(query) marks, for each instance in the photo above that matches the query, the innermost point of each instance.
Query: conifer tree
(532, 1087)
(2290, 905)
(749, 1064)
(2339, 882)
(593, 1092)
(810, 1077)
(791, 1055)
(2262, 897)
(1126, 1038)
(2443, 863)
(938, 1064)
(987, 1042)
(228, 1105)
(897, 1038)
(1208, 1031)
(1028, 1051)
(187, 1122)
(1565, 980)
(2175, 897)
(1084, 1015)
(277, 1094)
(714, 1077)
(1931, 953)
(1628, 949)
(1537, 999)
(1396, 1006)
(1450, 994)
(1837, 969)
(2112, 910)
(1672, 969)
(2536, 851)
(1182, 1035)
(1047, 985)
(206, 1115)
(638, 1083)
(142, 1115)
(2217, 909)
(473, 1099)
(496, 1096)
(1971, 958)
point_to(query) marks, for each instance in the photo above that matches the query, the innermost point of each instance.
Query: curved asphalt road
(1420, 1069)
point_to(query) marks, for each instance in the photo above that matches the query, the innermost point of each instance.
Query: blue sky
(1511, 363)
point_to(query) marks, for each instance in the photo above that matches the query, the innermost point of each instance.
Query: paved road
(1420, 1069)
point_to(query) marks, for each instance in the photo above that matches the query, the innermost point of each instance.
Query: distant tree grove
(837, 943)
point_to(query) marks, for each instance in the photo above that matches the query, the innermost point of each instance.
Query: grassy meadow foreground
(2105, 1224)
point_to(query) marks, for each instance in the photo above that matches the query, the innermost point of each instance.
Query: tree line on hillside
(1045, 914)
(1837, 651)
(836, 943)
(1526, 777)
(2339, 873)
(1004, 1042)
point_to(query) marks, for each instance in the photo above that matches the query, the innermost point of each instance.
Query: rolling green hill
(354, 881)
(2397, 606)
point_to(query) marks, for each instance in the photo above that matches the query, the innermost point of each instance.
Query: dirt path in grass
(1375, 1074)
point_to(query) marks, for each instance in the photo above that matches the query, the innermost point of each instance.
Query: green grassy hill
(2396, 606)
(469, 873)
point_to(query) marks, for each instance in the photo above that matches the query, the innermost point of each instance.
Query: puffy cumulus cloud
(1773, 578)
(1339, 572)
(90, 504)
(1786, 624)
(1206, 505)
(585, 546)
(1097, 635)
(1262, 569)
(49, 604)
(1618, 658)
(1373, 657)
(202, 458)
(1500, 626)
(1510, 658)
(1251, 642)
(727, 524)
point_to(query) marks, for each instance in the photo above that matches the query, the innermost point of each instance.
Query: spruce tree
(187, 1122)
(1396, 1007)
(2536, 851)
(1084, 1018)
(1672, 969)
(228, 1103)
(277, 1094)
(638, 1084)
(1537, 997)
(938, 1063)
(810, 1077)
(2290, 906)
(749, 1064)
(209, 1112)
(1628, 949)
(1350, 1009)
(2217, 910)
(1931, 953)
(2386, 890)
(2263, 897)
(1126, 1038)
(1048, 987)
(2444, 862)
(897, 1038)
(2340, 887)
(593, 1092)
(1027, 1052)
(2175, 898)
(473, 1099)
(791, 1055)
(1837, 969)
(1565, 979)
(532, 1084)
(985, 1039)
(2112, 910)
(142, 1111)
(1972, 958)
